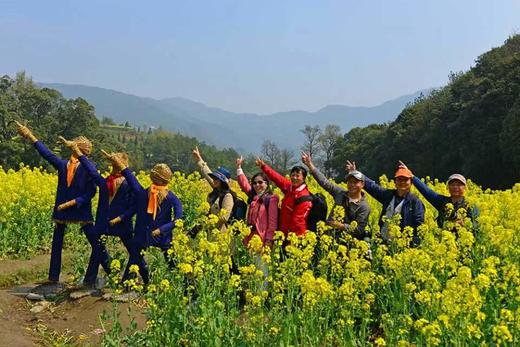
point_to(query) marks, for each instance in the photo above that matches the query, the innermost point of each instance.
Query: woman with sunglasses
(262, 214)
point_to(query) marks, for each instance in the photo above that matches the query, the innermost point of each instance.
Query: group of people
(121, 197)
(265, 217)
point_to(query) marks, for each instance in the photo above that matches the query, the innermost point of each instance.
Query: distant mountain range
(243, 131)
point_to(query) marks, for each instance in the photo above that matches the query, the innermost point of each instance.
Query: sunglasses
(258, 182)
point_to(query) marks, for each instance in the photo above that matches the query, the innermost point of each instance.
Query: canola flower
(458, 288)
(450, 290)
(26, 206)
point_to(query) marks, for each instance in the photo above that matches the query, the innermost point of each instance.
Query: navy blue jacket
(144, 223)
(439, 202)
(82, 188)
(412, 212)
(122, 204)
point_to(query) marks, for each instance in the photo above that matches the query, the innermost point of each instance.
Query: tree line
(470, 126)
(49, 114)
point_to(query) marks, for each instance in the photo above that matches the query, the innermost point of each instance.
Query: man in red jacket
(293, 216)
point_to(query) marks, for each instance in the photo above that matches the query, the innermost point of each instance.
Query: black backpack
(239, 211)
(318, 210)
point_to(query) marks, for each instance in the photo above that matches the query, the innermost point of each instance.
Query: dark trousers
(104, 257)
(136, 258)
(99, 254)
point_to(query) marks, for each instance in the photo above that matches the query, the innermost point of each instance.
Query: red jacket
(293, 218)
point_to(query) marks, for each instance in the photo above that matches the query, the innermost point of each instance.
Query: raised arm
(132, 181)
(283, 183)
(243, 182)
(433, 198)
(333, 189)
(437, 200)
(205, 170)
(125, 171)
(241, 177)
(371, 187)
(374, 189)
(203, 166)
(92, 171)
(49, 156)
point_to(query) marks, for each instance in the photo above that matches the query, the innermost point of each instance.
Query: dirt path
(13, 319)
(18, 271)
(73, 322)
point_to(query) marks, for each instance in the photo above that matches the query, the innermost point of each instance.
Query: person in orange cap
(449, 206)
(399, 200)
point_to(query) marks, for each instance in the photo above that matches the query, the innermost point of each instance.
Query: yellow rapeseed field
(460, 290)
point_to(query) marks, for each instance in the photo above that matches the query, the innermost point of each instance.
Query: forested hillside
(49, 114)
(244, 132)
(471, 126)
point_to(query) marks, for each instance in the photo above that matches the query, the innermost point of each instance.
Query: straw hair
(121, 157)
(84, 144)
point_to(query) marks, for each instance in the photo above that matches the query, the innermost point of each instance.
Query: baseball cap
(357, 175)
(403, 172)
(458, 177)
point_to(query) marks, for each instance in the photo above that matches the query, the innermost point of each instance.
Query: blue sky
(248, 56)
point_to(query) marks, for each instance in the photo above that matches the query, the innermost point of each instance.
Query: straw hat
(161, 174)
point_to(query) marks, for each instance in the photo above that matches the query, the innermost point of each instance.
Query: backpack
(266, 199)
(239, 210)
(318, 210)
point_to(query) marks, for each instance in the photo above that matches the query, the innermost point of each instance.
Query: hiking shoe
(46, 282)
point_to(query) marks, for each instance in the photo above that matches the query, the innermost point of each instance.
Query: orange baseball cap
(403, 172)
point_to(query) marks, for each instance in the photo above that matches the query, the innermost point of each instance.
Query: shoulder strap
(222, 196)
(304, 198)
